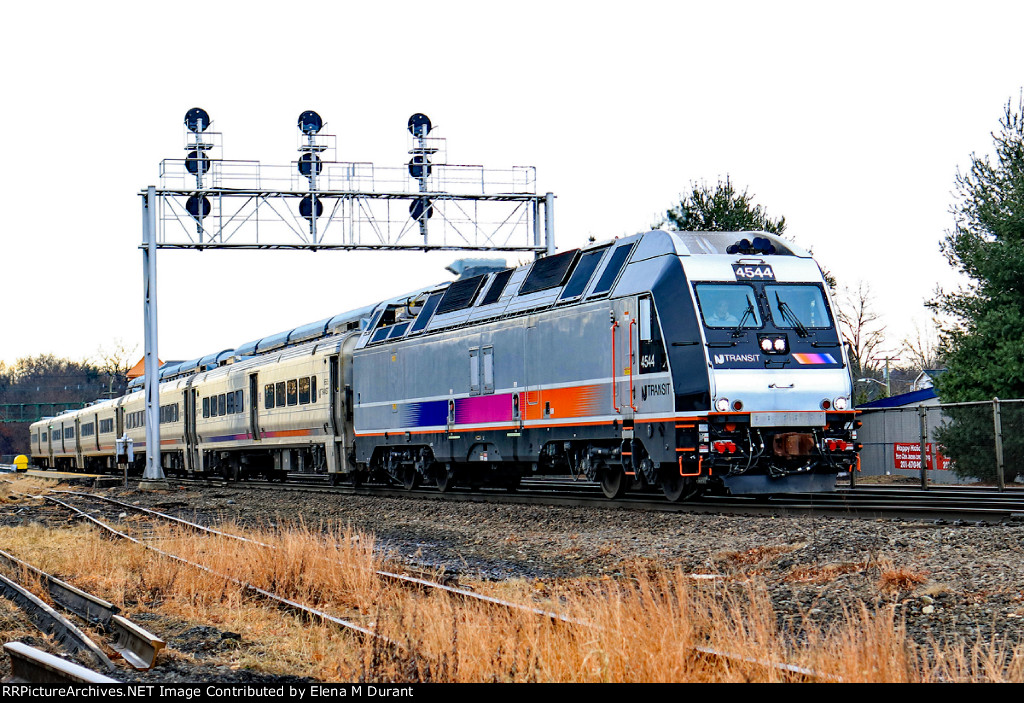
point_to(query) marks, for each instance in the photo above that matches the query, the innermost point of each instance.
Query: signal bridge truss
(207, 202)
(246, 205)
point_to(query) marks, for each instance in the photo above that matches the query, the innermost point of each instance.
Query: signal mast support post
(153, 471)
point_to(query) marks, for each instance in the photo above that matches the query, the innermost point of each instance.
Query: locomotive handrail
(631, 359)
(700, 468)
(615, 323)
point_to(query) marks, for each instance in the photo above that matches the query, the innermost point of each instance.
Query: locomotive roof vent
(467, 268)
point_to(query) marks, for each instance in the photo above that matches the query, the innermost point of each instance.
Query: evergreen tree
(982, 342)
(721, 209)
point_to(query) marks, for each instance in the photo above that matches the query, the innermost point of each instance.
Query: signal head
(310, 207)
(310, 122)
(198, 207)
(419, 125)
(419, 166)
(197, 120)
(420, 207)
(308, 163)
(197, 163)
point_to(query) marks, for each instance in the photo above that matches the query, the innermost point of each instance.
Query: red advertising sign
(907, 455)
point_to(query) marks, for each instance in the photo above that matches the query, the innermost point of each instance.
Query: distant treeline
(47, 379)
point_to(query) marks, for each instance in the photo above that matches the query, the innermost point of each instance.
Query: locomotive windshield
(728, 305)
(797, 307)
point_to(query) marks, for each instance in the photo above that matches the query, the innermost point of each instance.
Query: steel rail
(85, 605)
(284, 603)
(803, 673)
(817, 505)
(137, 645)
(67, 635)
(388, 575)
(31, 665)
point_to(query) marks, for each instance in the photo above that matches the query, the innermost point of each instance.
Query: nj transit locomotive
(685, 361)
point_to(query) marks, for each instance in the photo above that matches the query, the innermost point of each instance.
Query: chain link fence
(962, 442)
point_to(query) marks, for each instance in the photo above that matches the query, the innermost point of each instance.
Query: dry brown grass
(752, 556)
(642, 627)
(13, 488)
(896, 579)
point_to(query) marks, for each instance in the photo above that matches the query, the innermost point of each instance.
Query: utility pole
(886, 359)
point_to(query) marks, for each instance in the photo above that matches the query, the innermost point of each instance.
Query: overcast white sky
(850, 119)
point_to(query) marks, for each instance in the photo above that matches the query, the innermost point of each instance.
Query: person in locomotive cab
(721, 315)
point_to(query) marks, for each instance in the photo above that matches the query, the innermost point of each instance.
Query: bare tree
(115, 362)
(920, 348)
(862, 329)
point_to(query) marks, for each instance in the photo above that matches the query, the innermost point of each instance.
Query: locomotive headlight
(839, 403)
(722, 405)
(773, 343)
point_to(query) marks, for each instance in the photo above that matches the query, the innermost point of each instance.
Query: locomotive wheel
(410, 478)
(230, 471)
(357, 477)
(444, 478)
(613, 483)
(676, 487)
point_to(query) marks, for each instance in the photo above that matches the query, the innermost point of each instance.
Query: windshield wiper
(738, 332)
(787, 312)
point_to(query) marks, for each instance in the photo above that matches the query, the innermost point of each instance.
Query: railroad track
(136, 646)
(401, 579)
(111, 507)
(141, 531)
(960, 505)
(118, 511)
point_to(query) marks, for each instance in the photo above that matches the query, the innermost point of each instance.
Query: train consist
(684, 361)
